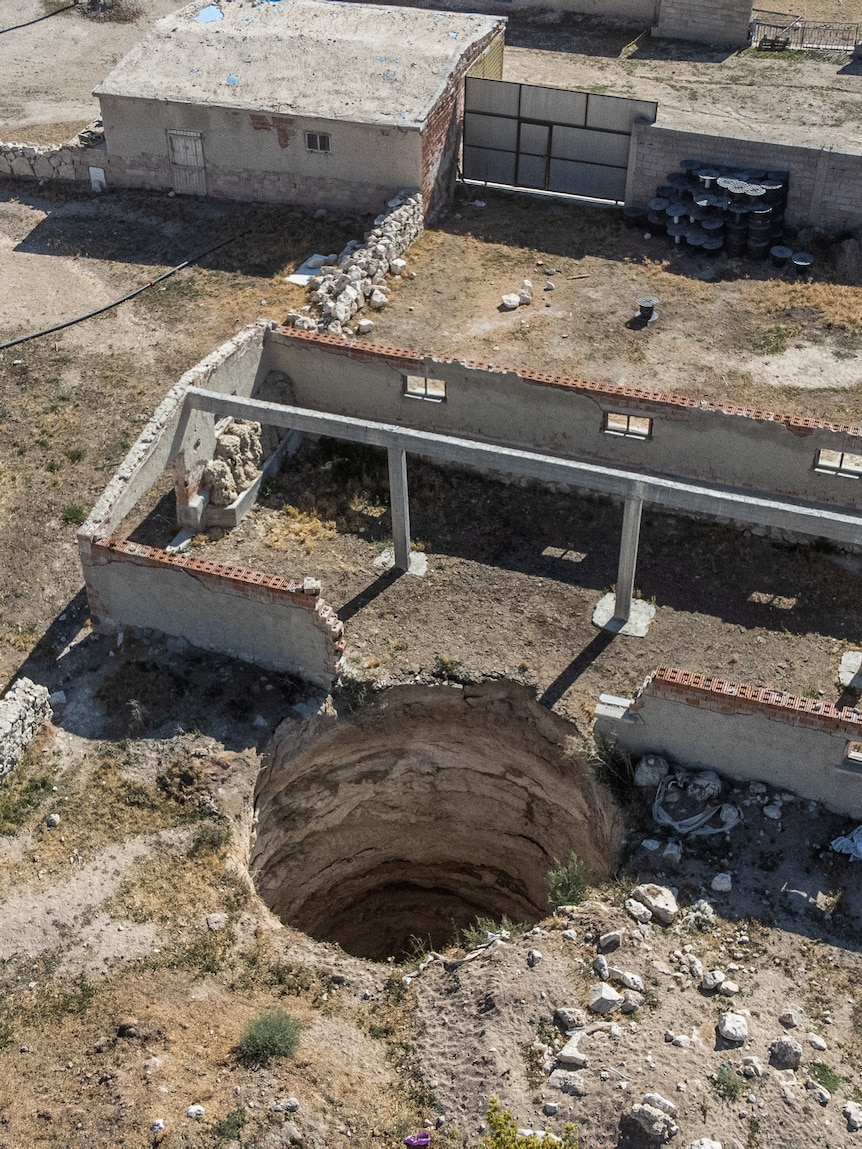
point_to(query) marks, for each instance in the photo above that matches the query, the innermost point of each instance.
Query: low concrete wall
(23, 712)
(825, 185)
(733, 446)
(742, 731)
(720, 22)
(263, 619)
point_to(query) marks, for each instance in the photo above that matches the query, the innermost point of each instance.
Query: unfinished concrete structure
(307, 102)
(794, 475)
(812, 748)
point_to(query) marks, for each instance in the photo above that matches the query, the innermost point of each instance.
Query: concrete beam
(741, 505)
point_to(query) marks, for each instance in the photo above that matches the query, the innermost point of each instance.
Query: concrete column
(628, 557)
(399, 503)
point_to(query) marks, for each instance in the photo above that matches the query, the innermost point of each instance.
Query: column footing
(635, 626)
(418, 562)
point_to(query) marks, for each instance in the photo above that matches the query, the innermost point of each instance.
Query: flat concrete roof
(314, 58)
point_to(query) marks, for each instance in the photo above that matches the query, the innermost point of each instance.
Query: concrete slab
(640, 617)
(850, 670)
(385, 561)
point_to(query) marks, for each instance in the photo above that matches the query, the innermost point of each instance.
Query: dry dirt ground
(121, 1004)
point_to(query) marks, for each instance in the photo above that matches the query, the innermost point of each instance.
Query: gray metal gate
(551, 139)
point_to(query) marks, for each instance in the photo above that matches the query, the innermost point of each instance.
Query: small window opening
(839, 463)
(420, 387)
(318, 141)
(852, 760)
(632, 426)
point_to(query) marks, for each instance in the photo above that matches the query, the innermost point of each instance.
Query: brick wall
(262, 618)
(441, 135)
(755, 451)
(744, 731)
(721, 22)
(825, 185)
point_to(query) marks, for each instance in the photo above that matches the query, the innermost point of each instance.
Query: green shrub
(727, 1083)
(504, 1132)
(567, 884)
(74, 514)
(274, 1034)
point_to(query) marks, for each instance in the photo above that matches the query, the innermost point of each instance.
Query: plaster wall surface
(727, 446)
(825, 185)
(219, 609)
(260, 156)
(744, 741)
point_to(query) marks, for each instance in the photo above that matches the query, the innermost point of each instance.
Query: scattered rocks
(659, 900)
(632, 1000)
(818, 1091)
(792, 1017)
(817, 1042)
(612, 940)
(510, 302)
(571, 1055)
(638, 911)
(712, 980)
(752, 1067)
(728, 988)
(705, 1143)
(733, 1027)
(600, 967)
(195, 1112)
(568, 1082)
(852, 1113)
(785, 1053)
(722, 883)
(52, 821)
(533, 958)
(655, 1115)
(604, 998)
(651, 769)
(567, 1018)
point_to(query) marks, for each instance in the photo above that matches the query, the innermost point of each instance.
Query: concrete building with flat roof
(296, 101)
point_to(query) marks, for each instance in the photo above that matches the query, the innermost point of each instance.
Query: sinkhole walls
(432, 806)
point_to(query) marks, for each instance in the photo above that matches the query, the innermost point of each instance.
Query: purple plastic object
(416, 1139)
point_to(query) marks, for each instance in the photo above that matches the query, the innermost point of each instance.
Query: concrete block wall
(743, 731)
(720, 22)
(264, 619)
(24, 710)
(723, 444)
(825, 185)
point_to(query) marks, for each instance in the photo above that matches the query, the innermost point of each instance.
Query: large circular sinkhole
(430, 808)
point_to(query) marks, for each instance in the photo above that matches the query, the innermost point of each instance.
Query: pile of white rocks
(23, 712)
(345, 284)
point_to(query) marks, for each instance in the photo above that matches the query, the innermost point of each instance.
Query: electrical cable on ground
(123, 299)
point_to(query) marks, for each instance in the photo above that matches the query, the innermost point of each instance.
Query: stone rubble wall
(23, 713)
(70, 161)
(347, 283)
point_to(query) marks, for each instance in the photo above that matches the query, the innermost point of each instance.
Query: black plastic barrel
(657, 222)
(658, 203)
(634, 217)
(713, 246)
(780, 255)
(646, 307)
(757, 248)
(803, 261)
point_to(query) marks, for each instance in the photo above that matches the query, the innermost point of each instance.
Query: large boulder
(659, 900)
(733, 1027)
(604, 998)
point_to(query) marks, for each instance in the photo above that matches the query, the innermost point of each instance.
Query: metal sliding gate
(550, 139)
